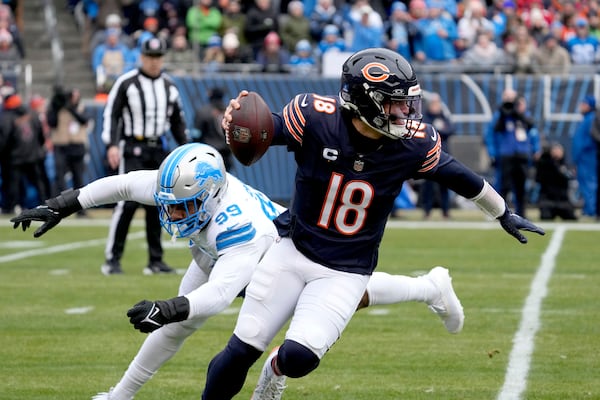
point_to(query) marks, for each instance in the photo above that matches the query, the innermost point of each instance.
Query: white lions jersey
(225, 253)
(242, 215)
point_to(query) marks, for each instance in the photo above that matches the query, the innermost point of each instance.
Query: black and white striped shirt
(142, 107)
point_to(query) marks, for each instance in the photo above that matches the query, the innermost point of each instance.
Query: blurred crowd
(293, 36)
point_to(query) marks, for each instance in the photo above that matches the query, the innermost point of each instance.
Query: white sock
(157, 349)
(384, 288)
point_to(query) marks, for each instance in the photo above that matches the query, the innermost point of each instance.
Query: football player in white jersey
(230, 227)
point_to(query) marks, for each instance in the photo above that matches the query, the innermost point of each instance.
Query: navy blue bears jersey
(346, 184)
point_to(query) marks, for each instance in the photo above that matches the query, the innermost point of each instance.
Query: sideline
(515, 380)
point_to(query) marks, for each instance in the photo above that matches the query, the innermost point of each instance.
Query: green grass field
(64, 333)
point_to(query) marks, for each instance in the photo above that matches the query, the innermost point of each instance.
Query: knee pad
(227, 370)
(242, 352)
(295, 360)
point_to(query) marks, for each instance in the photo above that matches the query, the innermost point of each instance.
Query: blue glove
(513, 223)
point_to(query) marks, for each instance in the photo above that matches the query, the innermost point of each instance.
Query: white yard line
(62, 247)
(515, 380)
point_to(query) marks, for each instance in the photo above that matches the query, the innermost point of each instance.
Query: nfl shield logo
(359, 165)
(241, 134)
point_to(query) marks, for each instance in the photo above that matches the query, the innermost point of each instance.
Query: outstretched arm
(462, 180)
(136, 186)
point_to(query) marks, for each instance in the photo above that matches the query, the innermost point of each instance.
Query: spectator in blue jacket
(437, 34)
(332, 40)
(365, 32)
(584, 152)
(512, 142)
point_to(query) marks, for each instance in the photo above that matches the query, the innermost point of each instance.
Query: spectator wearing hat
(303, 62)
(450, 7)
(150, 29)
(234, 51)
(583, 48)
(473, 21)
(234, 21)
(112, 58)
(365, 32)
(584, 154)
(295, 26)
(504, 17)
(436, 37)
(550, 57)
(213, 56)
(399, 30)
(22, 148)
(357, 15)
(273, 57)
(331, 40)
(202, 21)
(143, 106)
(261, 19)
(324, 14)
(113, 21)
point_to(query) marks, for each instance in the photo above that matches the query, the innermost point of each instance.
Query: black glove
(512, 223)
(148, 316)
(51, 213)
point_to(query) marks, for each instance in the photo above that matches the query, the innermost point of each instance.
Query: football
(250, 130)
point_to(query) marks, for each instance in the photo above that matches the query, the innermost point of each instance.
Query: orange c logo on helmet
(375, 72)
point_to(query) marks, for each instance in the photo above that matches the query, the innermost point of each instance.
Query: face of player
(178, 212)
(398, 111)
(152, 65)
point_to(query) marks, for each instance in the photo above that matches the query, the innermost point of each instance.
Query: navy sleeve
(456, 177)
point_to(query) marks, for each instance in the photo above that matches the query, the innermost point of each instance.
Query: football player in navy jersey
(353, 152)
(229, 227)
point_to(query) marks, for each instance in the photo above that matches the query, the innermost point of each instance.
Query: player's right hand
(49, 216)
(234, 104)
(147, 316)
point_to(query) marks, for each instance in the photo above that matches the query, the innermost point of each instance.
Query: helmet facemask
(374, 109)
(191, 181)
(196, 210)
(375, 83)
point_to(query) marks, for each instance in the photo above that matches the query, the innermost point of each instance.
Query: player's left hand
(513, 224)
(147, 316)
(49, 216)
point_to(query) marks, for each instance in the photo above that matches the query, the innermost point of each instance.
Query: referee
(142, 106)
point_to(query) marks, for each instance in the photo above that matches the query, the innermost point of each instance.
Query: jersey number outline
(343, 203)
(323, 104)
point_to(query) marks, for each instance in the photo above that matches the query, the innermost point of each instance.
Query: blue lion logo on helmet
(206, 173)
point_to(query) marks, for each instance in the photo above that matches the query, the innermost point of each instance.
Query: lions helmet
(374, 78)
(192, 177)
